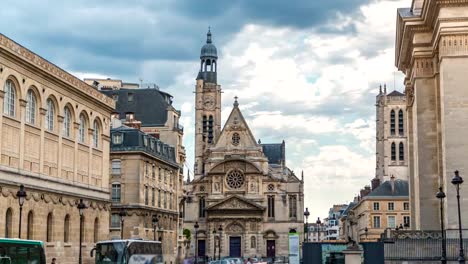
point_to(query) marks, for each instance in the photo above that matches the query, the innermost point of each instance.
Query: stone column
(2, 95)
(60, 147)
(76, 126)
(22, 116)
(42, 113)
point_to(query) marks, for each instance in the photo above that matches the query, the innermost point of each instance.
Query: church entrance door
(271, 249)
(235, 247)
(201, 248)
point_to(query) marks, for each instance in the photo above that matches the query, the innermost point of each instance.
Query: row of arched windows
(393, 123)
(10, 109)
(401, 152)
(49, 227)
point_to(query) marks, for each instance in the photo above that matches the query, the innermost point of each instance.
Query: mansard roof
(276, 153)
(150, 106)
(401, 189)
(395, 93)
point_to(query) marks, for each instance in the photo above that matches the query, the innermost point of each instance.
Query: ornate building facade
(240, 185)
(391, 136)
(145, 183)
(431, 50)
(55, 141)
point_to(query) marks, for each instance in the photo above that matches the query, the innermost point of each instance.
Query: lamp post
(441, 195)
(122, 222)
(457, 180)
(319, 223)
(155, 221)
(306, 214)
(365, 231)
(196, 226)
(220, 230)
(81, 207)
(214, 243)
(21, 194)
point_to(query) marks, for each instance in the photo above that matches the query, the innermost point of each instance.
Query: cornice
(28, 56)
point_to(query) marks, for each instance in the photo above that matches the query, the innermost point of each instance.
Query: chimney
(392, 183)
(385, 88)
(375, 183)
(131, 121)
(129, 116)
(364, 192)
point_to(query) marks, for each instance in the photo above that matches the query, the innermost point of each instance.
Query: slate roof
(274, 152)
(149, 105)
(395, 93)
(348, 208)
(385, 189)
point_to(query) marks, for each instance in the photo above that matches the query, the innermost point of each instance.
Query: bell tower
(207, 105)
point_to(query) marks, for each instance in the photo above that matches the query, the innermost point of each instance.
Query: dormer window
(130, 97)
(117, 138)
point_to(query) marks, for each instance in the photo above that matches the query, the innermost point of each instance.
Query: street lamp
(319, 223)
(21, 194)
(306, 214)
(441, 195)
(457, 180)
(122, 220)
(220, 230)
(155, 221)
(81, 206)
(196, 226)
(366, 230)
(214, 243)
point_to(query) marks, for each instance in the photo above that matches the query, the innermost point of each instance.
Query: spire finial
(380, 89)
(236, 104)
(208, 36)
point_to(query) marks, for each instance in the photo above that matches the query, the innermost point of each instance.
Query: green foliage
(187, 234)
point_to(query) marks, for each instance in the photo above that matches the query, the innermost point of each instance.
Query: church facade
(243, 198)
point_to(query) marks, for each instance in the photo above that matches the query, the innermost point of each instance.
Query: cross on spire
(235, 101)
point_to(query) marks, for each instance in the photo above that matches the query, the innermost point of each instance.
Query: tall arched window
(81, 129)
(401, 152)
(31, 103)
(96, 230)
(66, 122)
(400, 123)
(9, 101)
(66, 229)
(392, 122)
(49, 228)
(253, 242)
(393, 150)
(30, 227)
(201, 207)
(210, 129)
(50, 115)
(8, 223)
(96, 134)
(271, 206)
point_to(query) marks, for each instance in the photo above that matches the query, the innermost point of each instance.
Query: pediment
(236, 133)
(235, 203)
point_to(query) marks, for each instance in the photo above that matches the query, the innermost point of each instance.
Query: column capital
(42, 111)
(23, 102)
(2, 94)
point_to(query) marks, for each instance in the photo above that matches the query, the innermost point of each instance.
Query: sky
(305, 71)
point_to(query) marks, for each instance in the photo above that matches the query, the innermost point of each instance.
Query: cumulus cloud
(305, 71)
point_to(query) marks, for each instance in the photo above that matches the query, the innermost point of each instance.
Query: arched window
(271, 206)
(8, 223)
(30, 227)
(253, 242)
(392, 122)
(96, 230)
(66, 229)
(66, 122)
(201, 207)
(31, 103)
(393, 151)
(50, 115)
(81, 129)
(210, 129)
(400, 123)
(401, 152)
(96, 134)
(49, 228)
(9, 101)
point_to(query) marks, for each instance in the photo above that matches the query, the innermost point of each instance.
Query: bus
(19, 251)
(128, 251)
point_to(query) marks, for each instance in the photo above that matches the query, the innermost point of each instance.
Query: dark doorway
(235, 247)
(201, 248)
(271, 249)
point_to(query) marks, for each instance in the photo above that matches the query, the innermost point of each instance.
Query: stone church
(243, 197)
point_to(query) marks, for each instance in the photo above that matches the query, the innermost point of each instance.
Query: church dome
(209, 49)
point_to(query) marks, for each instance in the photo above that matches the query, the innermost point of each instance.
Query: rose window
(235, 179)
(271, 187)
(235, 139)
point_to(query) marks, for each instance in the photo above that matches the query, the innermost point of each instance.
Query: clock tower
(207, 105)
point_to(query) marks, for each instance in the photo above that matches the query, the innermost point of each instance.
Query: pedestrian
(248, 261)
(54, 261)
